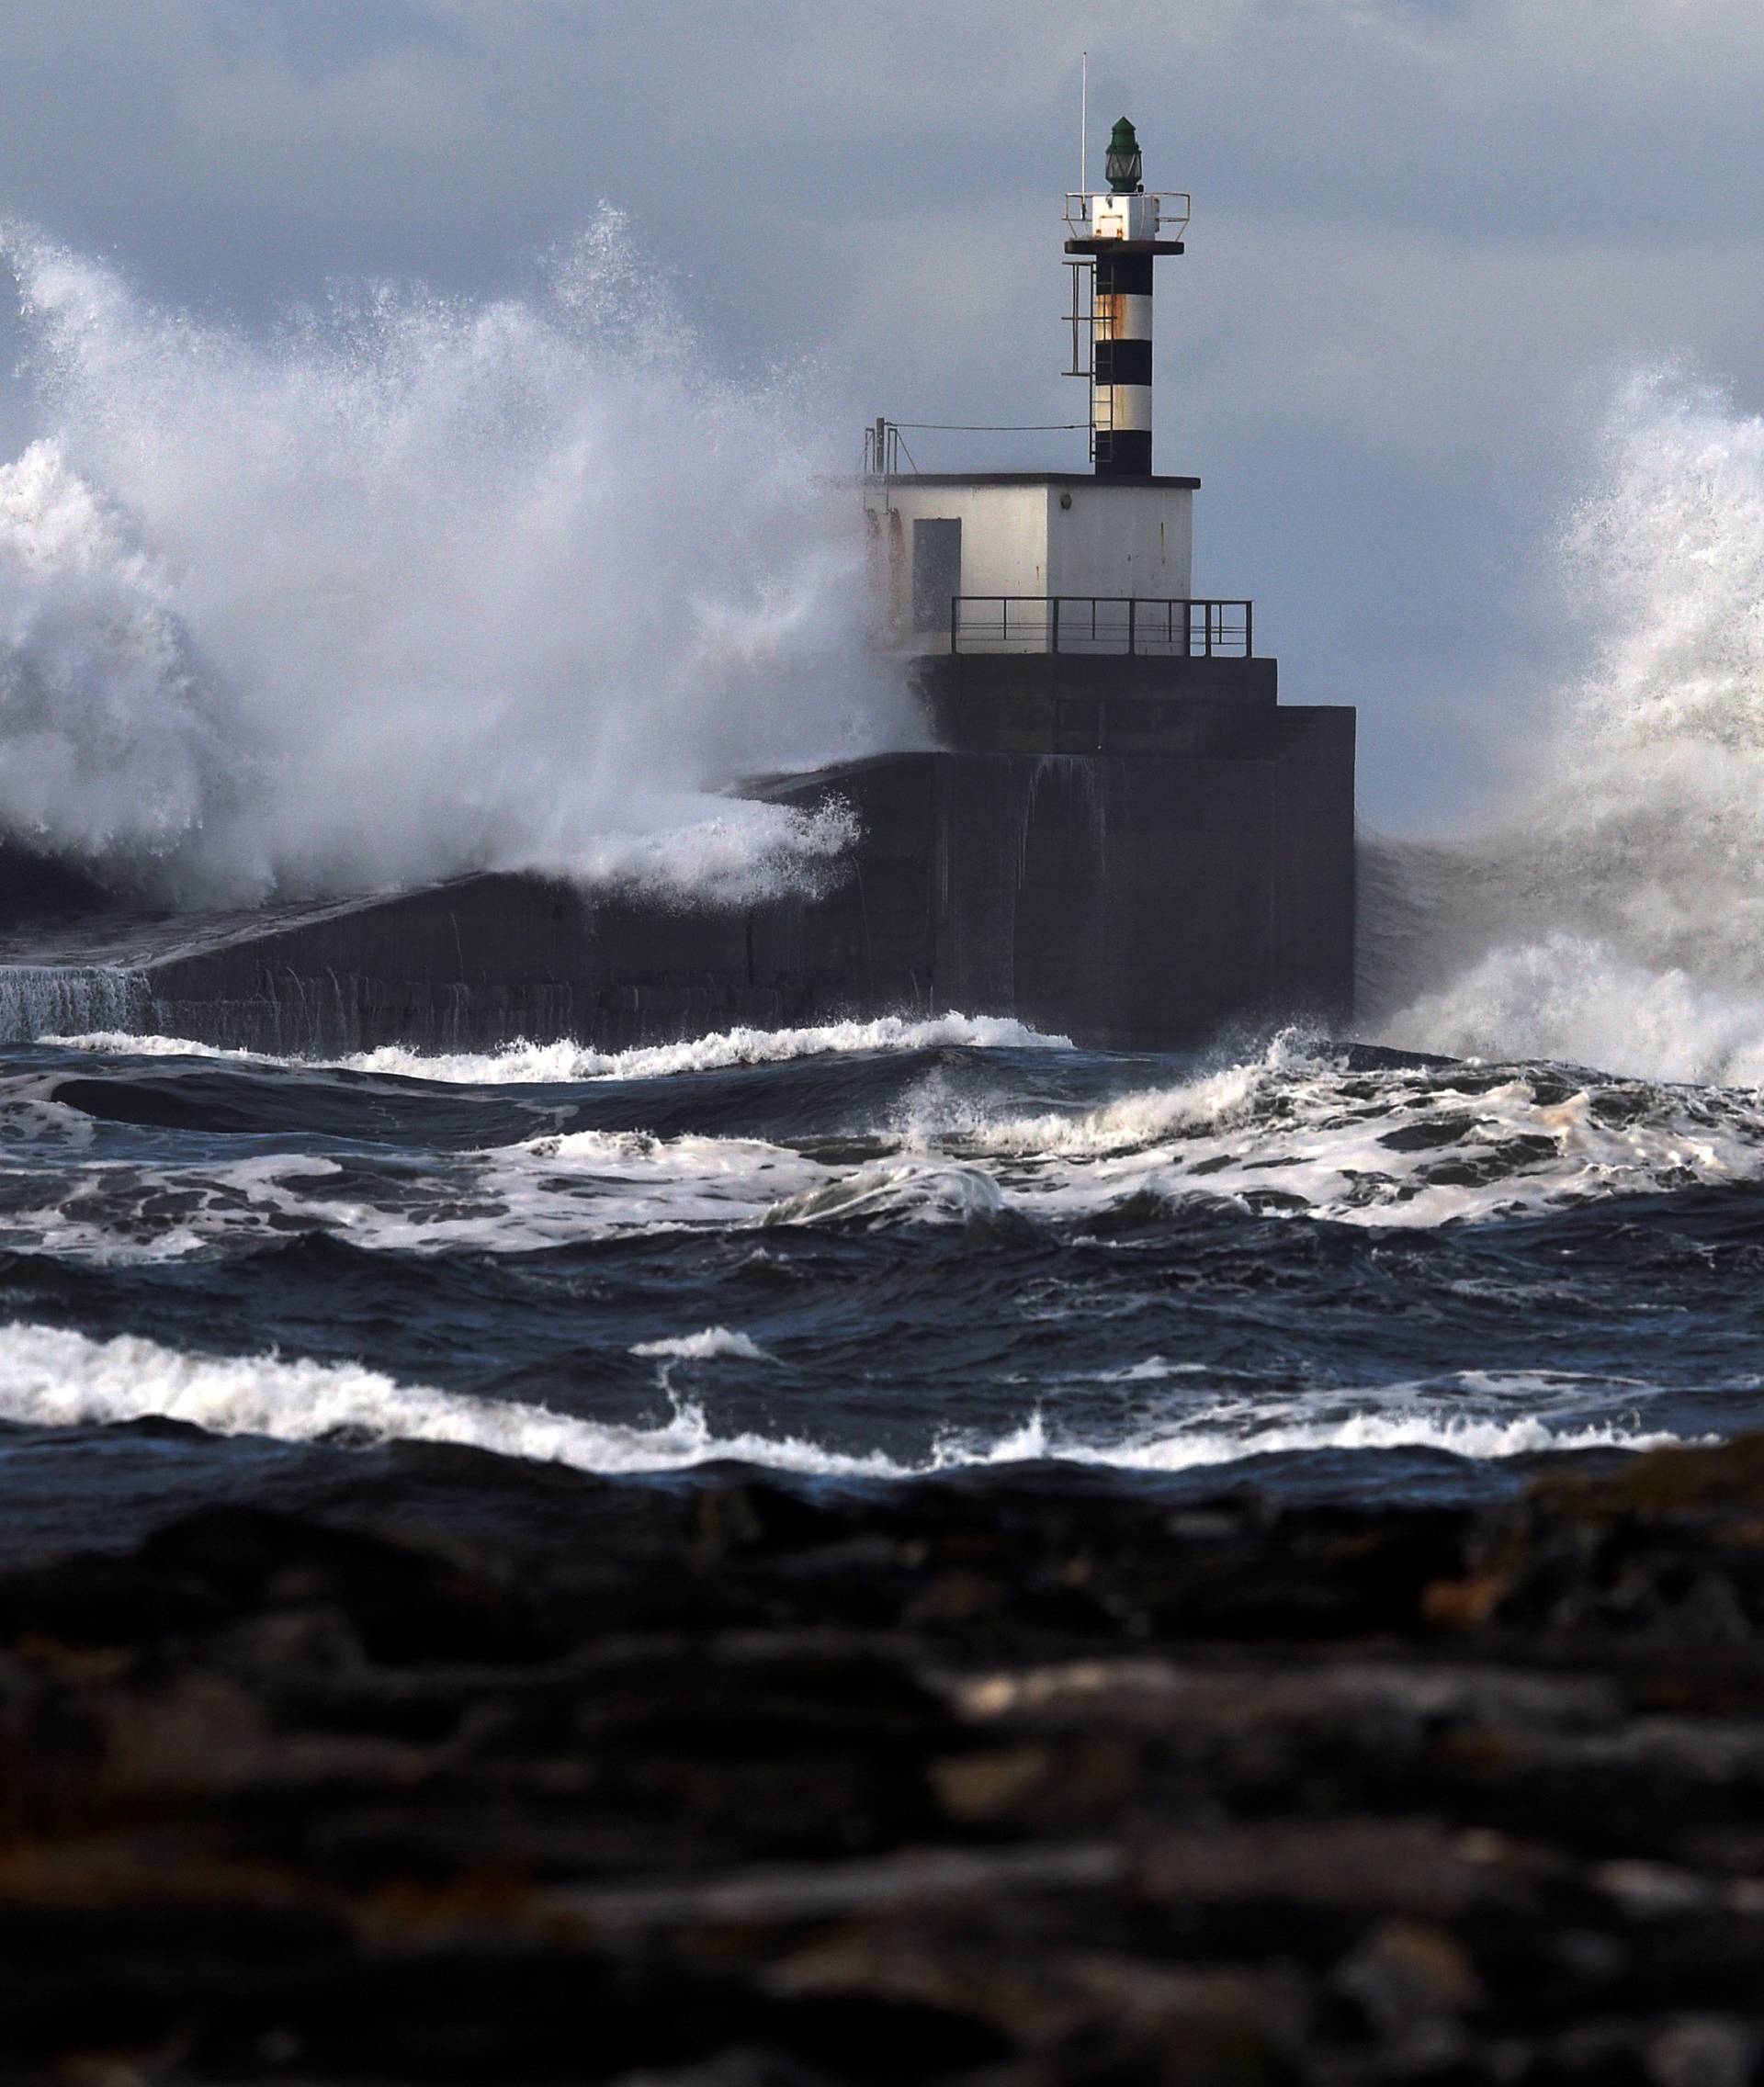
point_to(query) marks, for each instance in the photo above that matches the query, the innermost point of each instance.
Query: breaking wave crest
(51, 1378)
(54, 1379)
(544, 1062)
(714, 1343)
(1200, 1444)
(1298, 1132)
(562, 1062)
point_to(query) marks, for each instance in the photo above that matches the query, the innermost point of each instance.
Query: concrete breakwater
(1130, 871)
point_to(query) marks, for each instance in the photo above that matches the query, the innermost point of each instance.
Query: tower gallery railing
(1101, 623)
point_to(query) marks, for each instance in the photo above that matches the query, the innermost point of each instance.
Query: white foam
(1306, 1135)
(1152, 1117)
(1153, 1369)
(30, 1116)
(1576, 997)
(523, 1063)
(126, 1044)
(584, 1183)
(1295, 1134)
(711, 1346)
(566, 1063)
(52, 1378)
(914, 1188)
(1481, 1440)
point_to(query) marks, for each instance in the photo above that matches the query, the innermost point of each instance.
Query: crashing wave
(52, 1378)
(1614, 914)
(561, 1063)
(417, 585)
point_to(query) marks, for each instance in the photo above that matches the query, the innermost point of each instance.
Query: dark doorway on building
(936, 572)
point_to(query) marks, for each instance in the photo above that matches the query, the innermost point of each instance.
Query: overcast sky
(1427, 236)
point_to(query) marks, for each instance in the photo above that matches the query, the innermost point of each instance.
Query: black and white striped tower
(1119, 233)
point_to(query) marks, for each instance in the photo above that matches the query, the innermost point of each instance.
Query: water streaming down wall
(41, 999)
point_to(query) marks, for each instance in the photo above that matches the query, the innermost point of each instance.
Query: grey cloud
(1423, 232)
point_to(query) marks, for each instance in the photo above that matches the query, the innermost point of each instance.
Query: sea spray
(416, 585)
(1614, 914)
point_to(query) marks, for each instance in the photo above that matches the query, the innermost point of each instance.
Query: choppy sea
(844, 1254)
(853, 1254)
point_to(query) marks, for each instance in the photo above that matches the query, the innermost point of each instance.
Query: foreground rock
(999, 1782)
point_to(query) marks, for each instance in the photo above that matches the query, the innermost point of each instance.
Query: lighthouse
(1069, 563)
(1120, 832)
(1117, 236)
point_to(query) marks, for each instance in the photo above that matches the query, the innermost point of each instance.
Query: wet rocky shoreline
(1006, 1778)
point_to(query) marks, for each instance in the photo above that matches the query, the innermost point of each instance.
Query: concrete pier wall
(1125, 901)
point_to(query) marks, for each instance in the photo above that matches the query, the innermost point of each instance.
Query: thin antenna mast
(1084, 119)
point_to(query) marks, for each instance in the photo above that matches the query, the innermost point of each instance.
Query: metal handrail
(1183, 215)
(1190, 627)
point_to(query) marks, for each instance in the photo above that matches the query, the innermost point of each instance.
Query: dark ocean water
(853, 1254)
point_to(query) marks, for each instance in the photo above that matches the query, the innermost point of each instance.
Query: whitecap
(712, 1345)
(567, 1062)
(54, 1378)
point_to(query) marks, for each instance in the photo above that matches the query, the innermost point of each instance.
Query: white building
(1027, 561)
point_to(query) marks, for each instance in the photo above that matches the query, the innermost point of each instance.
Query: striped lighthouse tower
(1120, 235)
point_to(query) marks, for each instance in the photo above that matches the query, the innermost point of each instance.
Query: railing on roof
(1101, 623)
(1175, 208)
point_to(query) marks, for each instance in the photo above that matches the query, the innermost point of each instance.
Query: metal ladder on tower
(1085, 322)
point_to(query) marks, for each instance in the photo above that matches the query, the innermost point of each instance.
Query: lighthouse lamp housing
(1126, 162)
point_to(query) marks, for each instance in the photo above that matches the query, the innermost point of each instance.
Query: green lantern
(1124, 161)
